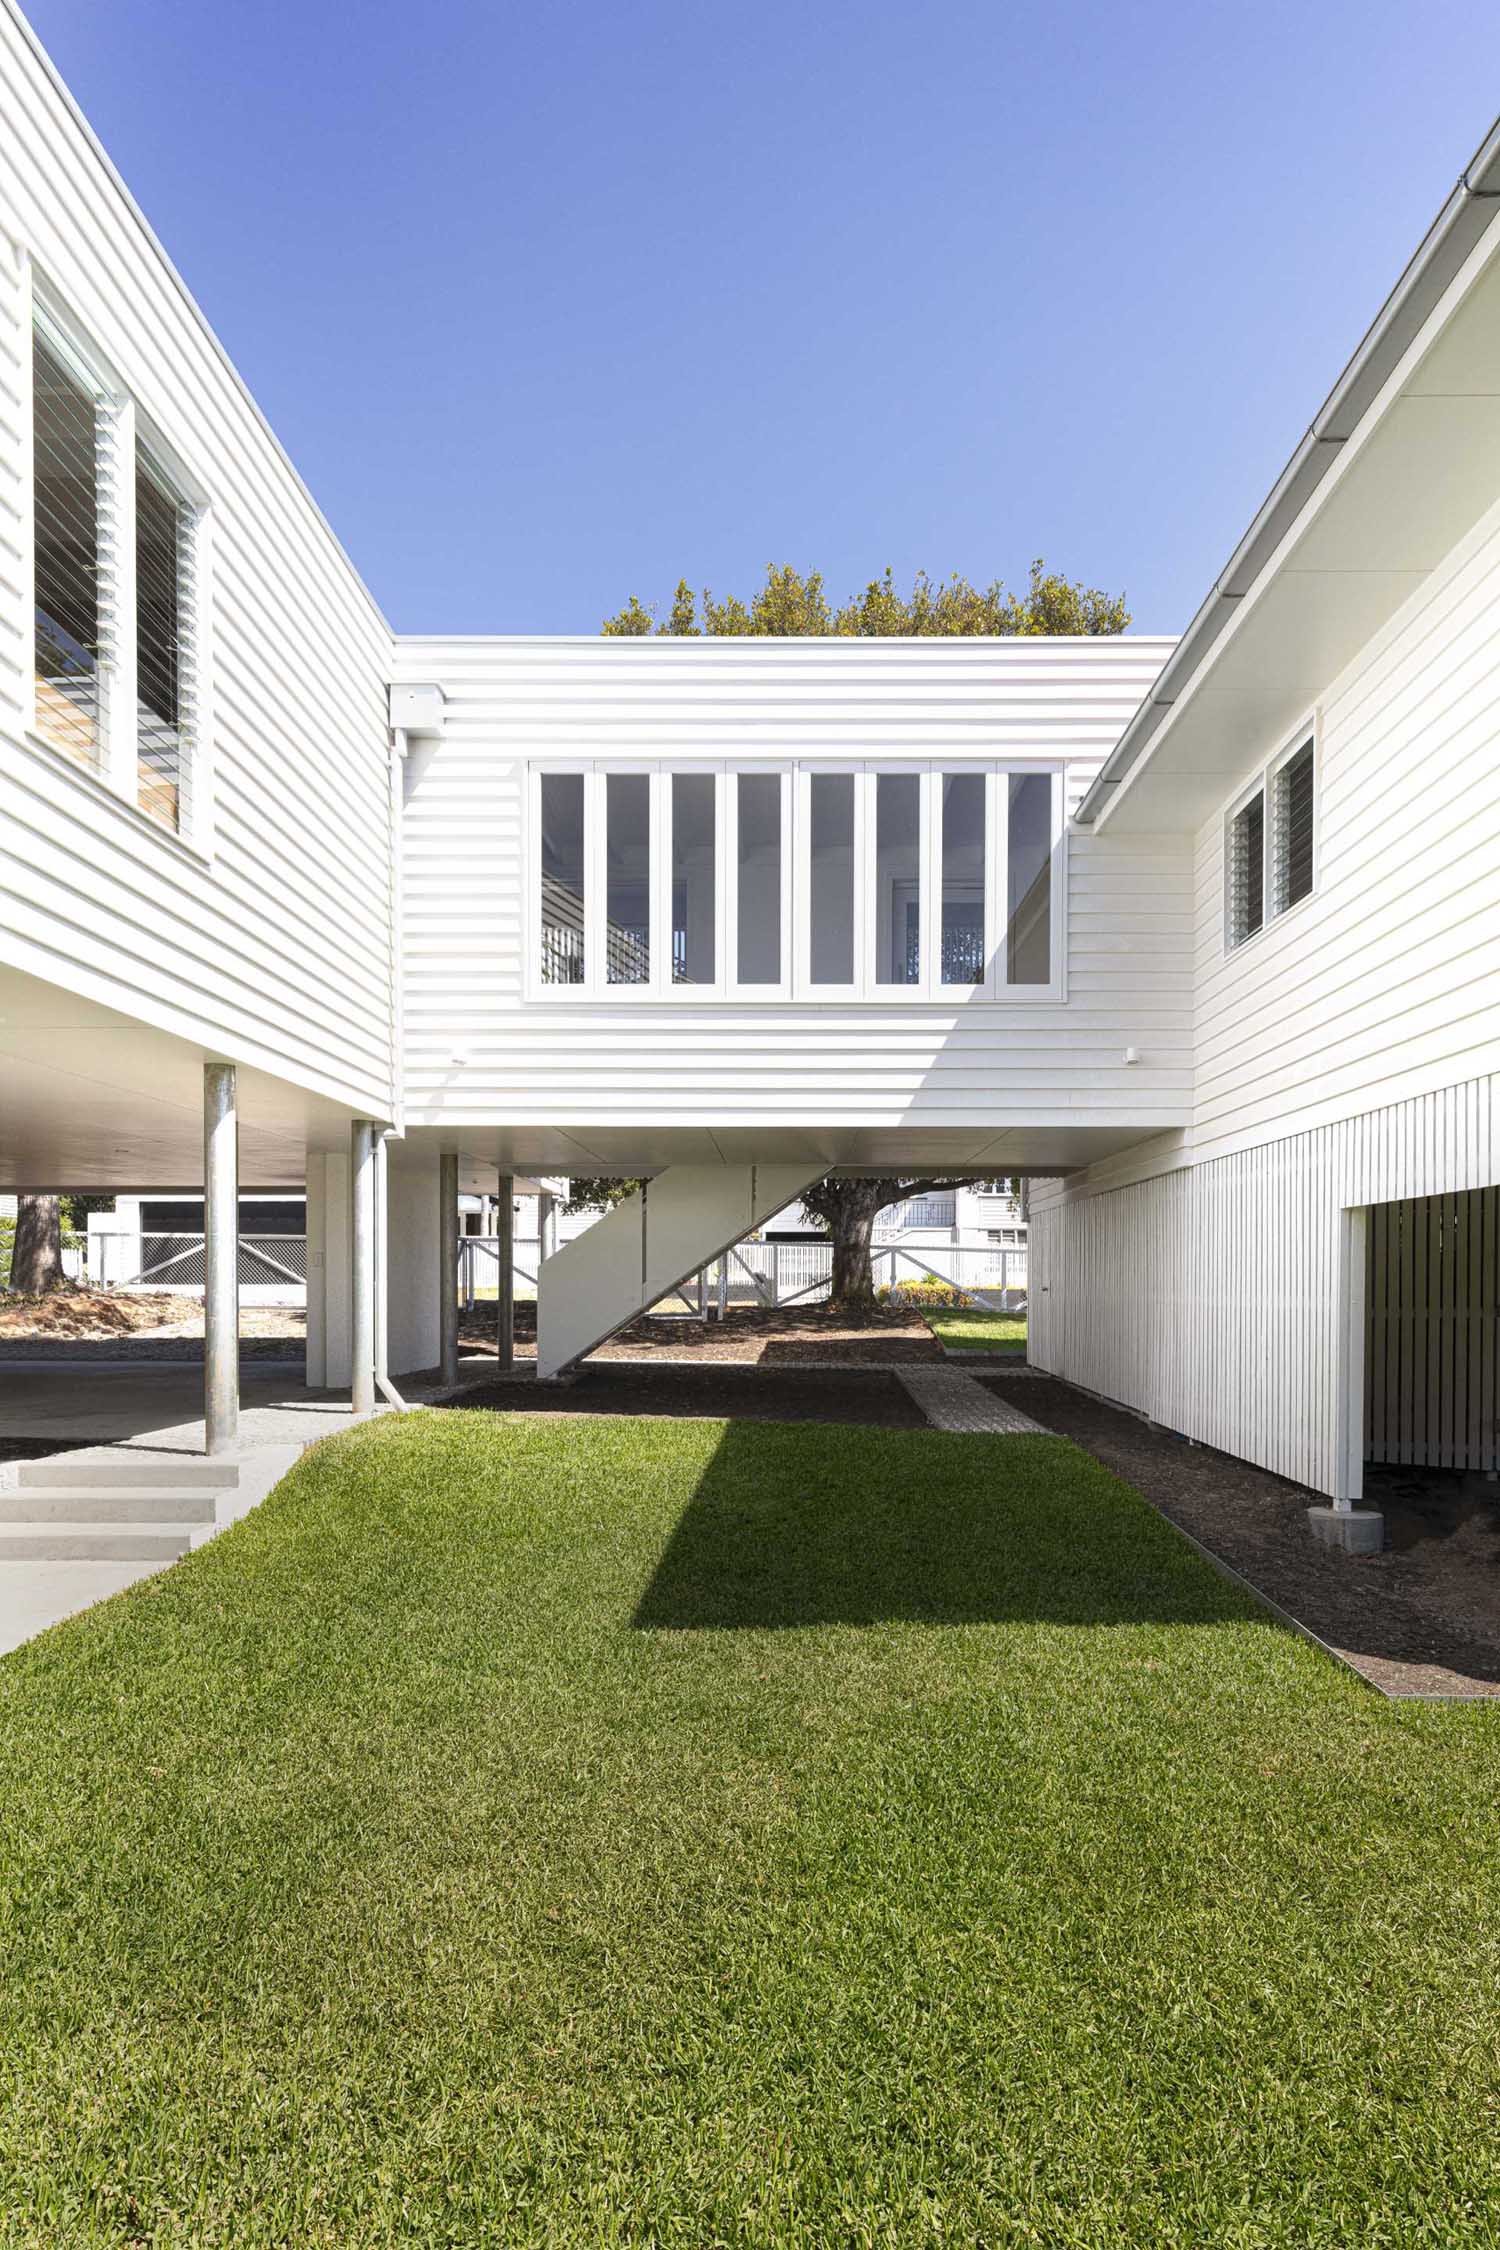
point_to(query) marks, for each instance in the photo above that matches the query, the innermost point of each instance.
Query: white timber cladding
(265, 932)
(1346, 1054)
(483, 1041)
(1220, 1299)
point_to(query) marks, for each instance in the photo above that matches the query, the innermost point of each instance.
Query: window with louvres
(1292, 830)
(65, 494)
(1247, 861)
(162, 535)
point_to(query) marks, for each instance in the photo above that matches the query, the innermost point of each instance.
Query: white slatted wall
(1210, 1299)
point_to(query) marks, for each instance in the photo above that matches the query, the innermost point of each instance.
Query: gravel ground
(267, 1332)
(1421, 1619)
(783, 1395)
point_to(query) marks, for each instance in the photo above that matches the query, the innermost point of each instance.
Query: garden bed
(792, 1335)
(1421, 1619)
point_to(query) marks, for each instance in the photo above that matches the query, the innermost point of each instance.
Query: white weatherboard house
(1201, 939)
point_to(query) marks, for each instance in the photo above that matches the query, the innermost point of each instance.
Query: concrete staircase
(68, 1510)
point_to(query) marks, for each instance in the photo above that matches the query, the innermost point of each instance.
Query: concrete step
(96, 1504)
(119, 1475)
(94, 1542)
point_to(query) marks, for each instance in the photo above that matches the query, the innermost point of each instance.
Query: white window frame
(123, 423)
(1262, 784)
(796, 778)
(785, 774)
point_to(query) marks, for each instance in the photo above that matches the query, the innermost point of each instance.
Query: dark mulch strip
(1421, 1619)
(618, 1387)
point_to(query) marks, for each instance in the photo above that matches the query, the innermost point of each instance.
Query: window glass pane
(759, 942)
(898, 878)
(1247, 870)
(1294, 829)
(158, 560)
(1028, 933)
(831, 883)
(67, 559)
(693, 878)
(562, 878)
(627, 878)
(962, 950)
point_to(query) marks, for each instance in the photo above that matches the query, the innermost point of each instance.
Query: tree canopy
(790, 604)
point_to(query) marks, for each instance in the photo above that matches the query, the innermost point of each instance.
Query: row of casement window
(84, 496)
(1270, 846)
(766, 881)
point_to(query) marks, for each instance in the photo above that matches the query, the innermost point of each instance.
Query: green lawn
(598, 1832)
(977, 1331)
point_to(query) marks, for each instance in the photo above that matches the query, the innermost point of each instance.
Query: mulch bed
(785, 1395)
(1421, 1619)
(794, 1335)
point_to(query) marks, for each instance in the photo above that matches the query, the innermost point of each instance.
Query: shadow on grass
(801, 1526)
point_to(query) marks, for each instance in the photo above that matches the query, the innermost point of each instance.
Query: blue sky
(552, 304)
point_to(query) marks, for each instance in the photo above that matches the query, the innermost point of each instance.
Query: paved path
(952, 1400)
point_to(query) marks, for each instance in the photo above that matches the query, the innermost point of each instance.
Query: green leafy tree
(793, 605)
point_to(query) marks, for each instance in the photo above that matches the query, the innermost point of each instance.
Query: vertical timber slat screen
(1433, 1359)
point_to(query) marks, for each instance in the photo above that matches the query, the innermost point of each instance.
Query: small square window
(1247, 863)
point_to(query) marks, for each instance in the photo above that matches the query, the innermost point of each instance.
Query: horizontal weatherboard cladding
(278, 946)
(476, 1048)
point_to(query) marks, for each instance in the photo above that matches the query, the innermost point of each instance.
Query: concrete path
(143, 1414)
(952, 1400)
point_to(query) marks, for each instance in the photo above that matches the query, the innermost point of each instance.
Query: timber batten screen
(1433, 1337)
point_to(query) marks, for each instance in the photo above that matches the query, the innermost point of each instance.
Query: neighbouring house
(1197, 938)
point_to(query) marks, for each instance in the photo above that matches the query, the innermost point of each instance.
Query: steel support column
(362, 1266)
(505, 1316)
(448, 1269)
(221, 1259)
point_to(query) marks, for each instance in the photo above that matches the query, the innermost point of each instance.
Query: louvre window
(1292, 847)
(798, 880)
(1247, 864)
(160, 555)
(66, 507)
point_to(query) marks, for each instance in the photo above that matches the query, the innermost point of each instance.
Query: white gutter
(1447, 243)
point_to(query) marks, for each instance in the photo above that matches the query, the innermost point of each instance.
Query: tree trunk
(36, 1260)
(852, 1227)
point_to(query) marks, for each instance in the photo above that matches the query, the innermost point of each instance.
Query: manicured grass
(975, 1331)
(570, 1831)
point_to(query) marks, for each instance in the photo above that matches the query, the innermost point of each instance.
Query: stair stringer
(650, 1244)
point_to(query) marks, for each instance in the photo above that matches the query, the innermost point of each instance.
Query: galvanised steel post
(221, 1257)
(505, 1320)
(362, 1283)
(448, 1269)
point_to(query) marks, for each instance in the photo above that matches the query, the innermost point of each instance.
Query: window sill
(95, 787)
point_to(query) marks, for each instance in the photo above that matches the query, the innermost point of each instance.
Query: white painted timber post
(448, 1269)
(543, 1224)
(505, 1314)
(362, 1261)
(221, 1257)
